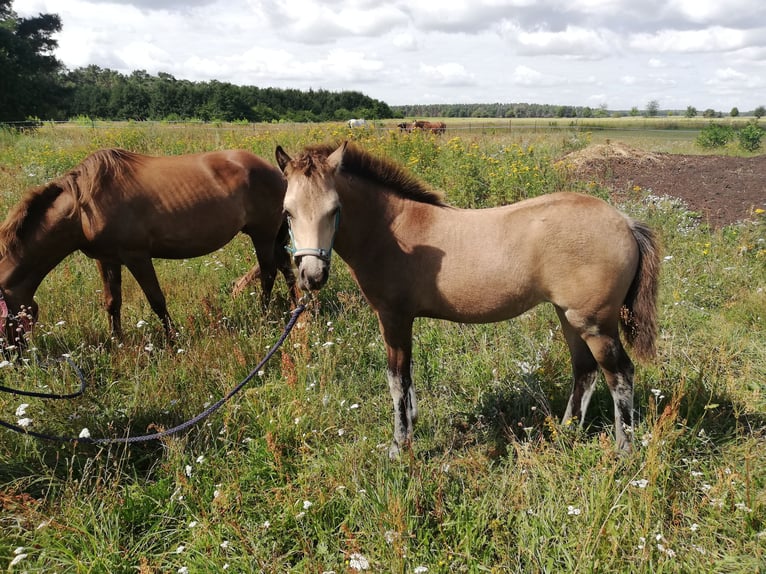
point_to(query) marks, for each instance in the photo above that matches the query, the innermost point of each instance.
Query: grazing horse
(414, 256)
(433, 127)
(123, 208)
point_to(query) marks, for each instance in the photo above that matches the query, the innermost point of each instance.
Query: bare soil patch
(722, 189)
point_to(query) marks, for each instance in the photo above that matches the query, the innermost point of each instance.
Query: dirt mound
(600, 154)
(722, 189)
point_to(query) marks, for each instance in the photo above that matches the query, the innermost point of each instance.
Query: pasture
(293, 474)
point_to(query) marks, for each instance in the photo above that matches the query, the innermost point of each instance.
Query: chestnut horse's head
(312, 207)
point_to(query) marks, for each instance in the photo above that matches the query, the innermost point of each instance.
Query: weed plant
(293, 475)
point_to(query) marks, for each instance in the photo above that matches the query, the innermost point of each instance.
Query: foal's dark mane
(82, 182)
(360, 163)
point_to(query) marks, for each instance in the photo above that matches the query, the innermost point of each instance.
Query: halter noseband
(323, 254)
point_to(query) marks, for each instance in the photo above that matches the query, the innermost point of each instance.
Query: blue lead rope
(158, 435)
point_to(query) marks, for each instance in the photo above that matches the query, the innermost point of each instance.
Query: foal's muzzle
(313, 271)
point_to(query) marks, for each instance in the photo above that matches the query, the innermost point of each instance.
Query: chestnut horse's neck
(45, 235)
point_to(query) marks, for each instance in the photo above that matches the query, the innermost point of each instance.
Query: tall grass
(293, 474)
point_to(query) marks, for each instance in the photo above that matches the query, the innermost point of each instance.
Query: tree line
(36, 85)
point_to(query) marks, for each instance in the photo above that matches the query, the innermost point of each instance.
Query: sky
(617, 54)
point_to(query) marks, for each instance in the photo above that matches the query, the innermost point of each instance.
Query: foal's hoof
(394, 452)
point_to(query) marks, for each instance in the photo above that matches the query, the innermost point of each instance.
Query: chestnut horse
(123, 208)
(433, 127)
(414, 256)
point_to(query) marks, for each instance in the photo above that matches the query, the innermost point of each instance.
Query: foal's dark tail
(639, 312)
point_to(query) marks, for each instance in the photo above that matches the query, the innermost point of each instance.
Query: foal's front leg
(397, 334)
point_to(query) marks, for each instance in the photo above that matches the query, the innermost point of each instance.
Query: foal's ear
(282, 158)
(335, 159)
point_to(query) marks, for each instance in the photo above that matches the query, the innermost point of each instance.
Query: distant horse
(122, 208)
(404, 127)
(433, 127)
(357, 123)
(414, 256)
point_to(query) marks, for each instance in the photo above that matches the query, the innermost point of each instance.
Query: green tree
(27, 65)
(734, 112)
(652, 108)
(759, 112)
(691, 112)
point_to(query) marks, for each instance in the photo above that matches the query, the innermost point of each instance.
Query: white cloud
(715, 39)
(571, 42)
(449, 74)
(525, 76)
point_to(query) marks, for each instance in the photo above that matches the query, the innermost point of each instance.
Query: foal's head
(312, 207)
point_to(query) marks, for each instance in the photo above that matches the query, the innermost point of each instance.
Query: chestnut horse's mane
(360, 163)
(83, 182)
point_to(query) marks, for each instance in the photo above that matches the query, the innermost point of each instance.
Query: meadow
(293, 475)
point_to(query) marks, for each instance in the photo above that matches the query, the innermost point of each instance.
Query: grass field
(293, 475)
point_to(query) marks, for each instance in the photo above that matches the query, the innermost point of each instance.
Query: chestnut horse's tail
(639, 312)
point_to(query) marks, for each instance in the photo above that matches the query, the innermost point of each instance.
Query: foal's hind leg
(584, 372)
(111, 276)
(618, 372)
(601, 346)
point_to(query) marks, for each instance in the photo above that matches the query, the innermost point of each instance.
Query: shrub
(714, 135)
(750, 136)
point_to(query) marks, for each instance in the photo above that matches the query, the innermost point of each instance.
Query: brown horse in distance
(414, 256)
(433, 127)
(123, 208)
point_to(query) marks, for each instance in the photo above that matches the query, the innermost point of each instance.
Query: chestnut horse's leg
(584, 371)
(397, 335)
(282, 263)
(285, 262)
(111, 276)
(143, 270)
(264, 252)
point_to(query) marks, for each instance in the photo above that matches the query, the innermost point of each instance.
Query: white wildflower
(84, 433)
(300, 515)
(183, 570)
(420, 570)
(354, 406)
(358, 562)
(24, 423)
(188, 470)
(640, 483)
(573, 511)
(694, 527)
(141, 324)
(180, 549)
(200, 458)
(193, 524)
(22, 409)
(266, 525)
(4, 364)
(743, 507)
(224, 545)
(307, 504)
